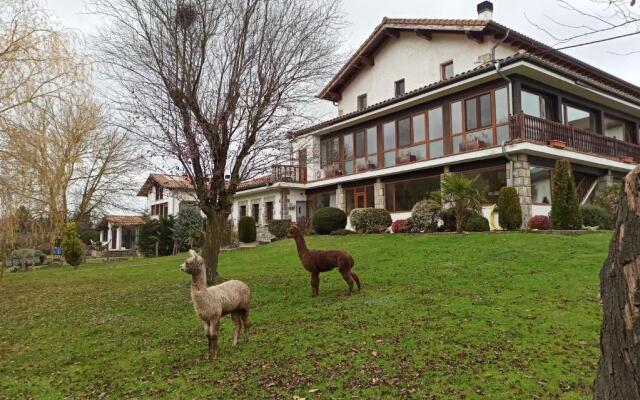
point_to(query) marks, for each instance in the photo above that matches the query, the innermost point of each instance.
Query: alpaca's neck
(301, 245)
(199, 281)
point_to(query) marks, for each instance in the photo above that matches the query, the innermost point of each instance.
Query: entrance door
(360, 198)
(301, 213)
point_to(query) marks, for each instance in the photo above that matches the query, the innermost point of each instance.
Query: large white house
(424, 97)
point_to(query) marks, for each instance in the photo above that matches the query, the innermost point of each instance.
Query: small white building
(166, 194)
(119, 233)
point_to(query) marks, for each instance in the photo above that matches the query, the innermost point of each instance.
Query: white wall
(417, 61)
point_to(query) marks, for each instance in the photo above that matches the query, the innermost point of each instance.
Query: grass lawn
(497, 316)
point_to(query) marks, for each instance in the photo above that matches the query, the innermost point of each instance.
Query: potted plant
(627, 159)
(558, 144)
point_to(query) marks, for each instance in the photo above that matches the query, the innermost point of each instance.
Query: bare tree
(216, 84)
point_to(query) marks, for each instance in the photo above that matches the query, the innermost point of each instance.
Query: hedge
(247, 229)
(477, 223)
(279, 228)
(594, 215)
(565, 209)
(509, 209)
(370, 220)
(328, 219)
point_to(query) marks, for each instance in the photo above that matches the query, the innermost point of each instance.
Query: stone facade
(378, 194)
(341, 200)
(518, 176)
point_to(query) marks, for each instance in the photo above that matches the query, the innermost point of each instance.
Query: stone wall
(518, 176)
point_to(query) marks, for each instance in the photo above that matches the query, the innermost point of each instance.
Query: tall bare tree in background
(216, 84)
(59, 155)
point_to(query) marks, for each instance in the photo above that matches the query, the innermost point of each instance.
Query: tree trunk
(618, 375)
(213, 237)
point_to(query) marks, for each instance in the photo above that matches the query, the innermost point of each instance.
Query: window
(161, 210)
(436, 130)
(491, 180)
(347, 154)
(329, 152)
(362, 102)
(389, 133)
(483, 127)
(502, 115)
(360, 197)
(540, 185)
(579, 118)
(243, 211)
(269, 210)
(159, 192)
(372, 148)
(478, 112)
(620, 129)
(399, 87)
(446, 70)
(255, 212)
(320, 200)
(402, 196)
(538, 105)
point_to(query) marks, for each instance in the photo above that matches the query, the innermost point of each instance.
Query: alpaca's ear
(193, 253)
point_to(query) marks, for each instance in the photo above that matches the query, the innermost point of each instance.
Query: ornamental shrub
(397, 225)
(189, 224)
(448, 217)
(247, 229)
(477, 223)
(279, 228)
(424, 215)
(565, 209)
(328, 219)
(147, 237)
(593, 215)
(608, 199)
(72, 247)
(509, 210)
(540, 222)
(370, 220)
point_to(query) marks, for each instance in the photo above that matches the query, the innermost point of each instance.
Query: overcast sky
(364, 15)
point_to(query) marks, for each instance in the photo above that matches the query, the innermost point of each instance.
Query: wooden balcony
(288, 173)
(532, 129)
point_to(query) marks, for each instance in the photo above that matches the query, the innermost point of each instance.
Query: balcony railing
(288, 173)
(526, 127)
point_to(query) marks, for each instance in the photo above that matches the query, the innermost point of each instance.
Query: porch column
(378, 193)
(519, 177)
(109, 238)
(341, 202)
(119, 238)
(604, 182)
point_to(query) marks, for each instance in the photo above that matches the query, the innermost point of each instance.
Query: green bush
(279, 228)
(147, 237)
(477, 223)
(328, 219)
(165, 235)
(509, 210)
(593, 215)
(424, 215)
(342, 232)
(189, 224)
(565, 209)
(448, 217)
(370, 220)
(72, 247)
(247, 229)
(608, 199)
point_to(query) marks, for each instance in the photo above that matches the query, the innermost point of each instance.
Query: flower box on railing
(627, 159)
(558, 144)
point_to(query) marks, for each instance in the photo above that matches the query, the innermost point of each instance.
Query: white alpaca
(211, 303)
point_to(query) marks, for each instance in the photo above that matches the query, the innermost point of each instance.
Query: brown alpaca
(316, 261)
(212, 303)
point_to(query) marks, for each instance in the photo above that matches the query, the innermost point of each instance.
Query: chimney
(485, 10)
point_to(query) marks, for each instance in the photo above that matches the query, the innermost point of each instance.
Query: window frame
(242, 211)
(393, 194)
(361, 102)
(399, 87)
(593, 116)
(443, 69)
(255, 212)
(268, 205)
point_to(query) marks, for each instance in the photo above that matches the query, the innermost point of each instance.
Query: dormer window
(159, 192)
(446, 70)
(362, 102)
(399, 87)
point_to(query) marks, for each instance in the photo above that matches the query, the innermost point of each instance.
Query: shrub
(247, 229)
(397, 225)
(509, 210)
(147, 237)
(448, 217)
(424, 215)
(608, 199)
(188, 228)
(72, 247)
(565, 210)
(329, 219)
(370, 220)
(279, 228)
(342, 232)
(165, 235)
(540, 222)
(593, 215)
(477, 223)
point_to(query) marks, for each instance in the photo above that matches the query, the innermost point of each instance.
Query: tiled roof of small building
(125, 220)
